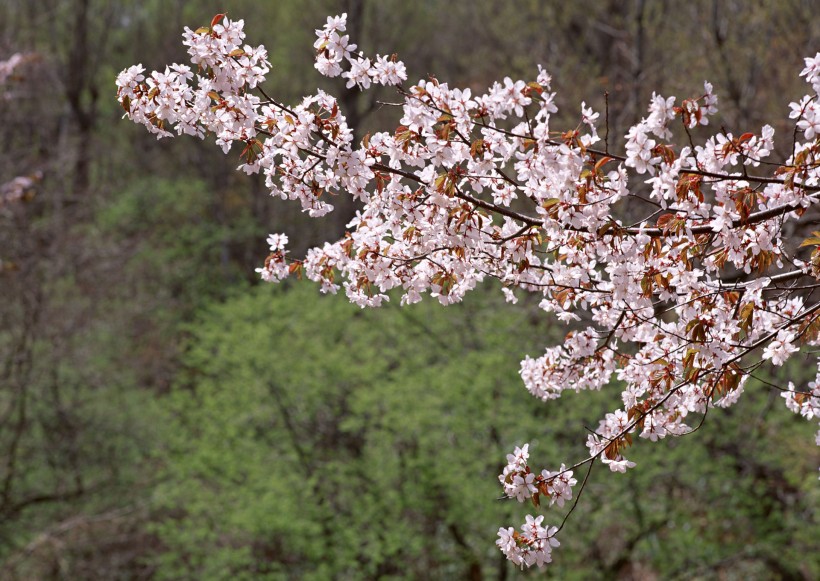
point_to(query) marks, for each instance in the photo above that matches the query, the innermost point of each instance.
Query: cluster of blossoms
(219, 104)
(534, 544)
(20, 188)
(519, 481)
(276, 267)
(806, 403)
(332, 50)
(675, 304)
(8, 66)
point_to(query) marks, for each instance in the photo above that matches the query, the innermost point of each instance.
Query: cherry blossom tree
(668, 260)
(20, 187)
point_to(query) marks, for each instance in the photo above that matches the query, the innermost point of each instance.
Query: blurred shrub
(311, 440)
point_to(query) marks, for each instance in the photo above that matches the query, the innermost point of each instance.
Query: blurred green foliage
(311, 440)
(314, 440)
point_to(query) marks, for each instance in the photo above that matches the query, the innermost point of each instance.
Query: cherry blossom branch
(672, 303)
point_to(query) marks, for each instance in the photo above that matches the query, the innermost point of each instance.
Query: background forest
(165, 416)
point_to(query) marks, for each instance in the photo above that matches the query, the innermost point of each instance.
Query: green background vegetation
(164, 416)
